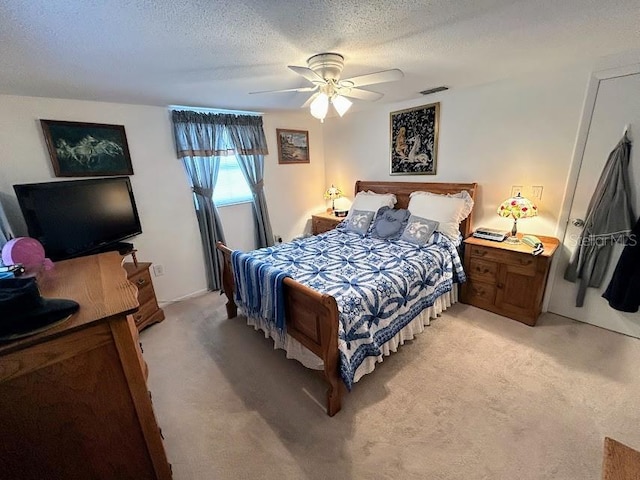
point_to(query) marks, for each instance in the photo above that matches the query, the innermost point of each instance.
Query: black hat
(23, 311)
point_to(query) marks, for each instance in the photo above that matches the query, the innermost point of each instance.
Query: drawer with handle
(145, 311)
(142, 281)
(479, 292)
(525, 262)
(483, 270)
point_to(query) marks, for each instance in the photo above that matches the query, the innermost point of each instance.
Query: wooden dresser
(323, 222)
(506, 278)
(149, 312)
(74, 402)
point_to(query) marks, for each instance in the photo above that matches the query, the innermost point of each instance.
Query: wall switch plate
(536, 192)
(158, 270)
(515, 190)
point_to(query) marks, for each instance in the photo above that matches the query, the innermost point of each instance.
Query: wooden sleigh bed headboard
(402, 190)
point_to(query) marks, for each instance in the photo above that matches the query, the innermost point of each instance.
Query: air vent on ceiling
(434, 90)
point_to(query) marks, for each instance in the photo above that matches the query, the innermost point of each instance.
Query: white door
(617, 104)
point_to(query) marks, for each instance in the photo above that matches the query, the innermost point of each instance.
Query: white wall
(294, 192)
(514, 132)
(171, 235)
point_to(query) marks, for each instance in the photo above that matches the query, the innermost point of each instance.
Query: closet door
(617, 104)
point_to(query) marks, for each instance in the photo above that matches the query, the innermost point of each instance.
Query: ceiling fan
(323, 71)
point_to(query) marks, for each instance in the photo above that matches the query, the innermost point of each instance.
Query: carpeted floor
(476, 396)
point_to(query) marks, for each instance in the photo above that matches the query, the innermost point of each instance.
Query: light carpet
(476, 396)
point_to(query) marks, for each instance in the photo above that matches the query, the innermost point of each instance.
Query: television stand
(68, 392)
(124, 248)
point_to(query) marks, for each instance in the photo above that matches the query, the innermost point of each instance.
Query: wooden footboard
(312, 319)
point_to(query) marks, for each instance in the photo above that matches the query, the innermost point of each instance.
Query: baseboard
(164, 303)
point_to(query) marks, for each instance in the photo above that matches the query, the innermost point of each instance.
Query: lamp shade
(341, 104)
(517, 207)
(320, 106)
(332, 193)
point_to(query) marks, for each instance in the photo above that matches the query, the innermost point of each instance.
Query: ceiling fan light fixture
(320, 106)
(323, 72)
(341, 104)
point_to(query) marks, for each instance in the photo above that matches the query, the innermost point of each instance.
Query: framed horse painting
(414, 140)
(87, 149)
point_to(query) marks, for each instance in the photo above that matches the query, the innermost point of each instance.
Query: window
(231, 186)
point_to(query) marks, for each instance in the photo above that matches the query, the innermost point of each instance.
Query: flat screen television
(79, 217)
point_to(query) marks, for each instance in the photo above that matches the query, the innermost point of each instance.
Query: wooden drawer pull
(140, 282)
(482, 270)
(525, 262)
(479, 253)
(137, 317)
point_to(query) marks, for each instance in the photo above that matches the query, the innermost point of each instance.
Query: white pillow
(449, 210)
(372, 202)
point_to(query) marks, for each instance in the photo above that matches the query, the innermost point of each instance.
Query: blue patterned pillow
(359, 221)
(418, 230)
(389, 223)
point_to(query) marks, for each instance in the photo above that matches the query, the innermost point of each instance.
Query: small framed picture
(293, 146)
(414, 140)
(81, 149)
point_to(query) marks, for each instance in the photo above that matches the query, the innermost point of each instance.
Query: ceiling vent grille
(434, 90)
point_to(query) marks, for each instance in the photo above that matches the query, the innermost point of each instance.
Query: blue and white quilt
(380, 286)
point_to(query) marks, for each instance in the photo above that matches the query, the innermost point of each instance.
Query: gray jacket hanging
(609, 219)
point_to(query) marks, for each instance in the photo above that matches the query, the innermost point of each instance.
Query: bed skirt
(297, 351)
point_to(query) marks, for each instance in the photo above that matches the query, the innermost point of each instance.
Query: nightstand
(149, 311)
(323, 222)
(505, 278)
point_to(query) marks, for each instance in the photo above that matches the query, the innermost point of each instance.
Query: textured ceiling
(212, 53)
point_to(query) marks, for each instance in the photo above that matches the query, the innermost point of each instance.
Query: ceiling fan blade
(360, 94)
(309, 100)
(309, 74)
(303, 89)
(371, 78)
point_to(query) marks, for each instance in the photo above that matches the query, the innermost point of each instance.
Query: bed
(315, 325)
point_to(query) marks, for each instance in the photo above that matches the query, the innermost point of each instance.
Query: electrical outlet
(277, 238)
(158, 270)
(536, 192)
(515, 190)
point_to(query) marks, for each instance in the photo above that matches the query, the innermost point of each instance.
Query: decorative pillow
(419, 230)
(389, 223)
(372, 202)
(358, 221)
(447, 210)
